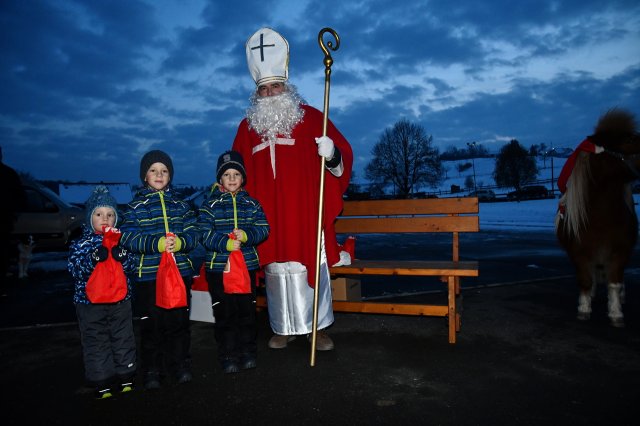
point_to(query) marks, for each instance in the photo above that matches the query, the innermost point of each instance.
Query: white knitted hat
(268, 56)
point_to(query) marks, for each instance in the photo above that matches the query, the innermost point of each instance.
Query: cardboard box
(346, 289)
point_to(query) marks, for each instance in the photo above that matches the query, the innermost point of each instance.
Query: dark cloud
(193, 49)
(220, 35)
(561, 112)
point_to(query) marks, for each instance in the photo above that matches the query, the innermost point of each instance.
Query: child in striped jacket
(230, 221)
(155, 221)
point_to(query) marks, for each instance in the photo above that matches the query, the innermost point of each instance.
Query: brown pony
(596, 223)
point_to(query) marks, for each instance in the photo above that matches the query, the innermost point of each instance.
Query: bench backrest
(409, 216)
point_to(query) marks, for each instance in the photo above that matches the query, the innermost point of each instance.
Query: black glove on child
(100, 254)
(118, 253)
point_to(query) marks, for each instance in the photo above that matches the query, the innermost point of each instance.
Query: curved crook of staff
(328, 61)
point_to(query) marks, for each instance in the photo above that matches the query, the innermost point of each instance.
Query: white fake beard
(271, 116)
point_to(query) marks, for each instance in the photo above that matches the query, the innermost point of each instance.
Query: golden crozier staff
(328, 61)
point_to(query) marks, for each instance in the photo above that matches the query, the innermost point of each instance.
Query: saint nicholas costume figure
(282, 144)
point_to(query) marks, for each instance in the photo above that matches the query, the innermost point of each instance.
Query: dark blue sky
(89, 86)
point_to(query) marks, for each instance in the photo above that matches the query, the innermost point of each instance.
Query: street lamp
(472, 148)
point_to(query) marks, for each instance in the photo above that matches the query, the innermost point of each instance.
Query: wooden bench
(433, 215)
(452, 215)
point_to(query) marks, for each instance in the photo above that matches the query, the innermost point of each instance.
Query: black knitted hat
(231, 160)
(100, 197)
(155, 156)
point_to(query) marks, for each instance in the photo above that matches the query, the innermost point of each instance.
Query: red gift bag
(235, 278)
(107, 283)
(199, 282)
(170, 289)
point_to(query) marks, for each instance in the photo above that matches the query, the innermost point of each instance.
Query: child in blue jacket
(229, 210)
(155, 221)
(106, 329)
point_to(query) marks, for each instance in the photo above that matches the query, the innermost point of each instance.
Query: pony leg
(615, 308)
(594, 285)
(616, 290)
(21, 270)
(584, 305)
(587, 281)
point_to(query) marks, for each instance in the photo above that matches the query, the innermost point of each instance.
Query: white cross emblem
(272, 149)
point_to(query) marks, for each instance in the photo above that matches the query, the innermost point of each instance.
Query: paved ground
(521, 358)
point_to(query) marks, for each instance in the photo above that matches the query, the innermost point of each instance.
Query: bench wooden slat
(407, 224)
(411, 207)
(390, 308)
(379, 308)
(409, 268)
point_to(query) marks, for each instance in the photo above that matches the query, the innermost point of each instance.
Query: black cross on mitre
(261, 46)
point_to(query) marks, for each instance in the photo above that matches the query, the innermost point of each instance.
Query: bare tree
(463, 167)
(468, 183)
(514, 166)
(353, 189)
(405, 157)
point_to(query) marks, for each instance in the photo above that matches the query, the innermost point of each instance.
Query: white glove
(345, 259)
(325, 147)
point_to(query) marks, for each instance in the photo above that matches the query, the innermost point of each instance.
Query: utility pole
(550, 154)
(552, 183)
(472, 148)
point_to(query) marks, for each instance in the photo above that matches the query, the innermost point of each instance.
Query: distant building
(77, 193)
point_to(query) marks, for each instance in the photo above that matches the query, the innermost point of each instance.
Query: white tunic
(290, 299)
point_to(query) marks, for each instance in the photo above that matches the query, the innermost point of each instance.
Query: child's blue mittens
(119, 253)
(100, 254)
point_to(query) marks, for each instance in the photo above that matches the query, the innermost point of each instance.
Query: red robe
(585, 146)
(290, 200)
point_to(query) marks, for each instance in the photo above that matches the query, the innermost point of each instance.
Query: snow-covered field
(484, 168)
(512, 216)
(525, 215)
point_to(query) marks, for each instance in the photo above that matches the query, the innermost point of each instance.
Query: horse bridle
(627, 160)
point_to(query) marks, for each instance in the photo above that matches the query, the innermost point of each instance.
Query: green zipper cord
(235, 212)
(164, 213)
(166, 228)
(235, 225)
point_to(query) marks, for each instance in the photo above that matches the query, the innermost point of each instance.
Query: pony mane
(614, 127)
(575, 198)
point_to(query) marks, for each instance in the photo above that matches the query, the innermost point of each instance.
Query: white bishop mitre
(268, 56)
